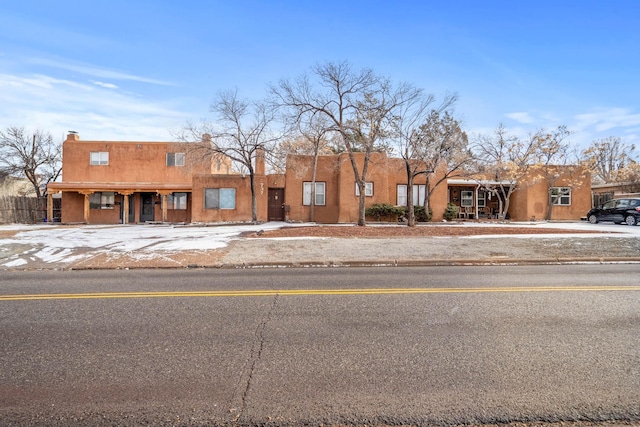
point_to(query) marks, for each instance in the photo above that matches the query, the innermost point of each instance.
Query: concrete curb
(433, 263)
(373, 264)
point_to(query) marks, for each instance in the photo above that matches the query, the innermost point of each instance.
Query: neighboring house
(108, 182)
(337, 195)
(604, 192)
(12, 186)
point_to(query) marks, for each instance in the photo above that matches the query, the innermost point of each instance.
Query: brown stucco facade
(112, 182)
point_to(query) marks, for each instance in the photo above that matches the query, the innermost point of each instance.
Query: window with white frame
(466, 198)
(319, 193)
(99, 158)
(177, 201)
(102, 200)
(175, 159)
(368, 189)
(419, 192)
(482, 199)
(219, 198)
(561, 196)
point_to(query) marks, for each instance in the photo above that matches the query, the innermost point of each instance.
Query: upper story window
(99, 158)
(561, 196)
(175, 159)
(368, 189)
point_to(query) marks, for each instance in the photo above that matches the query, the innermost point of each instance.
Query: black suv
(616, 210)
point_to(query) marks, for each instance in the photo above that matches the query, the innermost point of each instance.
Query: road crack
(252, 362)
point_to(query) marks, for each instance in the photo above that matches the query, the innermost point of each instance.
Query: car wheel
(593, 219)
(631, 220)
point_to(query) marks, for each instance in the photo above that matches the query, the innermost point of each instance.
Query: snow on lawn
(55, 244)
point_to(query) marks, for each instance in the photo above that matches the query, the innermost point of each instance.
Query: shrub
(419, 213)
(383, 210)
(450, 212)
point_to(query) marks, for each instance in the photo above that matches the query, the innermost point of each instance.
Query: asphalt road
(439, 345)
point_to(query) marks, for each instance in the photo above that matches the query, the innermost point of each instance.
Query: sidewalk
(172, 246)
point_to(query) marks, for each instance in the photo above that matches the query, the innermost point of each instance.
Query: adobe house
(337, 195)
(121, 182)
(602, 193)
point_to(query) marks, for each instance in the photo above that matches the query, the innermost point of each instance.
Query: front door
(146, 211)
(276, 204)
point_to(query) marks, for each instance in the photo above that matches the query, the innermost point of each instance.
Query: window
(175, 159)
(102, 200)
(99, 158)
(418, 195)
(219, 198)
(320, 194)
(177, 201)
(466, 198)
(368, 189)
(561, 196)
(482, 199)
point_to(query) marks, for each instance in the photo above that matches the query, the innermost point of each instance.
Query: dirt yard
(439, 230)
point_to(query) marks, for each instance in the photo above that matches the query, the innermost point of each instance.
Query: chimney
(260, 162)
(72, 135)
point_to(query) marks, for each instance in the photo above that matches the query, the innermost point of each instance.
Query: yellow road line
(292, 292)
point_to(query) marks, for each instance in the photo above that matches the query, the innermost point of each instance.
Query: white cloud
(105, 85)
(524, 118)
(96, 111)
(96, 71)
(605, 120)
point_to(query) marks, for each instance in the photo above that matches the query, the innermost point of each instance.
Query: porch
(474, 200)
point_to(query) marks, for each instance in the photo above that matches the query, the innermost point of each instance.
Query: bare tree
(358, 107)
(503, 160)
(428, 138)
(240, 129)
(32, 155)
(611, 160)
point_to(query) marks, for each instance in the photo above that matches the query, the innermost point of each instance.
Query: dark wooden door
(146, 211)
(276, 204)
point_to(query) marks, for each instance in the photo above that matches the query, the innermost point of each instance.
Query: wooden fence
(24, 210)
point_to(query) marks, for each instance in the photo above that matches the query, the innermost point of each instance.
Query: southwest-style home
(111, 182)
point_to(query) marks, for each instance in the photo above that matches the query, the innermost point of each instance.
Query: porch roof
(477, 182)
(128, 187)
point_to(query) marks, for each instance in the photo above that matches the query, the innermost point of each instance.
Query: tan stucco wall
(129, 162)
(337, 172)
(242, 185)
(530, 201)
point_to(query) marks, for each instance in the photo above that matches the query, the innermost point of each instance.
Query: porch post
(49, 207)
(87, 210)
(476, 202)
(125, 208)
(164, 196)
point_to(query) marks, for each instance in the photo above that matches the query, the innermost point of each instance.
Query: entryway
(276, 204)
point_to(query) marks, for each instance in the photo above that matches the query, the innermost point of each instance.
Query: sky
(139, 70)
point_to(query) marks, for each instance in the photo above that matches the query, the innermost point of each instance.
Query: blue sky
(134, 70)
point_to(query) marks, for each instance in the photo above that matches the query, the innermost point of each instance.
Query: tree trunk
(254, 201)
(549, 204)
(411, 216)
